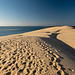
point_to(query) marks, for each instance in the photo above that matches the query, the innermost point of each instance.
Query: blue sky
(37, 12)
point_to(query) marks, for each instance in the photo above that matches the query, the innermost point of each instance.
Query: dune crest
(48, 51)
(67, 27)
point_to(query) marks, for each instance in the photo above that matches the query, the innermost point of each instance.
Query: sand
(49, 51)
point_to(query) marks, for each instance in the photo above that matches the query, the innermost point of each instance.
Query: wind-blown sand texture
(42, 52)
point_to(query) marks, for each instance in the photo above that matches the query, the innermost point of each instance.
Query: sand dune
(48, 51)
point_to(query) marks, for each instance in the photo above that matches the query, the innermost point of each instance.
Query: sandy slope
(66, 34)
(48, 51)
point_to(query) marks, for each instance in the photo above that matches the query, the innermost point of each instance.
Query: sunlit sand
(49, 51)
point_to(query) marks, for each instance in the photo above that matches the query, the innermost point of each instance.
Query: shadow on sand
(69, 51)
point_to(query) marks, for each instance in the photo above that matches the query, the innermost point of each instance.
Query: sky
(37, 12)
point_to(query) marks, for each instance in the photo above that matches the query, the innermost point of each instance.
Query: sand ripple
(29, 56)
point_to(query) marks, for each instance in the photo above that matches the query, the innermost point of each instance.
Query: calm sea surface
(9, 30)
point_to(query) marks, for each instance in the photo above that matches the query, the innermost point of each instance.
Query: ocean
(9, 30)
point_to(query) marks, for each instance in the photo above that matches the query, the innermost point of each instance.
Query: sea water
(9, 30)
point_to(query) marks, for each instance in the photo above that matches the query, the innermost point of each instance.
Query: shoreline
(57, 30)
(41, 52)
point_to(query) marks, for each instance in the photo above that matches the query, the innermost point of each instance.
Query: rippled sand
(31, 55)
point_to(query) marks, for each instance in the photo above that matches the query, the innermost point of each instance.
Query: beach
(49, 51)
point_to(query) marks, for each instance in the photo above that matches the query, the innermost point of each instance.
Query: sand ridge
(37, 53)
(65, 34)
